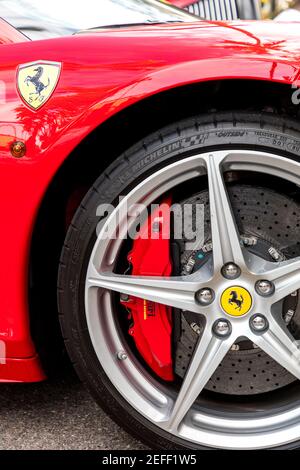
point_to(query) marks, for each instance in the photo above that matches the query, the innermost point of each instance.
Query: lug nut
(231, 271)
(259, 323)
(264, 288)
(122, 356)
(205, 296)
(222, 328)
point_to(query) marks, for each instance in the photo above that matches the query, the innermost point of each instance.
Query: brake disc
(269, 227)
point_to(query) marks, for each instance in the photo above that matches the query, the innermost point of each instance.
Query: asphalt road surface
(58, 414)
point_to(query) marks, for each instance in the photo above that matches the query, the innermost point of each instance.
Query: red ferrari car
(149, 196)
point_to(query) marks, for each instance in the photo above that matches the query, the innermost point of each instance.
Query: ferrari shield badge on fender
(36, 81)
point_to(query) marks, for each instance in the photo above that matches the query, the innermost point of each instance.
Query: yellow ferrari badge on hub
(236, 301)
(36, 82)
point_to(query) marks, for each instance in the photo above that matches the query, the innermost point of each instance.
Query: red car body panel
(102, 73)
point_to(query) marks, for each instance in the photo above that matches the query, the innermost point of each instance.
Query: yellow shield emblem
(37, 81)
(236, 301)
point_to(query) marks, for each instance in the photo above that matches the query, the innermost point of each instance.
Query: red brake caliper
(152, 323)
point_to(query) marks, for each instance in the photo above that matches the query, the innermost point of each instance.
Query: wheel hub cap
(236, 301)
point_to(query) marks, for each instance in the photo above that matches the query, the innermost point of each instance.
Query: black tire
(252, 131)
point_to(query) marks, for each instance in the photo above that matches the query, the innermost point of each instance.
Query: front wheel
(179, 285)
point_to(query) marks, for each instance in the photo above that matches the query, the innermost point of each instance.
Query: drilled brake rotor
(269, 225)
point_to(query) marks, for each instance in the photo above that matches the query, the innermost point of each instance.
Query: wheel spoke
(225, 236)
(207, 356)
(279, 344)
(286, 278)
(176, 291)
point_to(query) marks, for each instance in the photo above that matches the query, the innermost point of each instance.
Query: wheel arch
(81, 168)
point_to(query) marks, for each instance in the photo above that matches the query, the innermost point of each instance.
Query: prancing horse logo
(235, 300)
(36, 81)
(39, 86)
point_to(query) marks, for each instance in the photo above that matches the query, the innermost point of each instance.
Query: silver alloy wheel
(180, 415)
